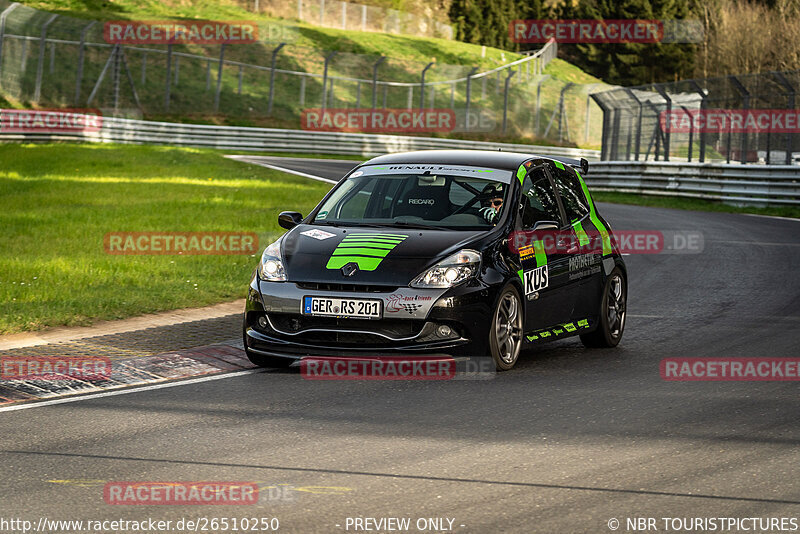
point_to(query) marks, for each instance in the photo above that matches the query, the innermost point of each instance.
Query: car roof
(474, 158)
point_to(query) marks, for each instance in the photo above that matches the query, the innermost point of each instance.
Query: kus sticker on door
(536, 279)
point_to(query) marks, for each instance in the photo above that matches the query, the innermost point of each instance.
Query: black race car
(440, 252)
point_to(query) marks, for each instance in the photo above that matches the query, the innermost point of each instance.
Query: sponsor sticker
(320, 235)
(536, 279)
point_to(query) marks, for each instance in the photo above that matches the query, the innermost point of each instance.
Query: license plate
(338, 307)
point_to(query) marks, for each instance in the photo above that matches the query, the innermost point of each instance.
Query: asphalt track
(568, 440)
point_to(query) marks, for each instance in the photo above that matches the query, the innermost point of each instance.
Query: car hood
(384, 256)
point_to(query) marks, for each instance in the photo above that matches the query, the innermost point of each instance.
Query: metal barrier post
(666, 97)
(272, 77)
(219, 76)
(37, 93)
(168, 81)
(325, 78)
(746, 106)
(375, 81)
(505, 99)
(3, 17)
(699, 90)
(790, 94)
(469, 88)
(81, 52)
(422, 85)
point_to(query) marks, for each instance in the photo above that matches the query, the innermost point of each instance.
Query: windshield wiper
(418, 225)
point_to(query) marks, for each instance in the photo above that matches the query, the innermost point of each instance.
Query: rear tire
(505, 335)
(612, 313)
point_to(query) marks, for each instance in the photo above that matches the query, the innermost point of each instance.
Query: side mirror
(584, 166)
(289, 219)
(545, 225)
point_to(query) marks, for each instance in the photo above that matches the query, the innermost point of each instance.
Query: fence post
(168, 76)
(81, 52)
(538, 100)
(385, 95)
(746, 106)
(604, 134)
(667, 135)
(116, 76)
(177, 69)
(363, 17)
(299, 9)
(3, 17)
(410, 99)
(321, 11)
(208, 75)
(691, 136)
(702, 140)
(422, 85)
(791, 96)
(302, 90)
(272, 77)
(375, 81)
(358, 94)
(325, 77)
(219, 76)
(469, 91)
(37, 93)
(505, 99)
(344, 15)
(241, 73)
(638, 122)
(588, 111)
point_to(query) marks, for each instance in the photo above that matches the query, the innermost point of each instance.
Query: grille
(351, 288)
(334, 329)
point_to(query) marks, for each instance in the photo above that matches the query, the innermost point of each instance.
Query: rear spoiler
(581, 164)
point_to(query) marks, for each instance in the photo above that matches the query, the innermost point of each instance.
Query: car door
(545, 268)
(583, 285)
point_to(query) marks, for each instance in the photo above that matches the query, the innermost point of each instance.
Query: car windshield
(429, 200)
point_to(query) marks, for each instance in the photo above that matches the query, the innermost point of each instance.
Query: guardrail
(115, 130)
(753, 185)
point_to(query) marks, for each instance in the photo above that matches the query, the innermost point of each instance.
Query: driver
(492, 196)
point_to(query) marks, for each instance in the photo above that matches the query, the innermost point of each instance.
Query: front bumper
(274, 324)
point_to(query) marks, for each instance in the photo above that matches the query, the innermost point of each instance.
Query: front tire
(505, 336)
(612, 313)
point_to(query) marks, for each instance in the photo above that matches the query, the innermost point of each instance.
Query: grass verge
(60, 200)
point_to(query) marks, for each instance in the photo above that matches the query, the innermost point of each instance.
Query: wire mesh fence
(55, 61)
(750, 118)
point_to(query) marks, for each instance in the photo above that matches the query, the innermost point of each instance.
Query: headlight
(271, 266)
(450, 271)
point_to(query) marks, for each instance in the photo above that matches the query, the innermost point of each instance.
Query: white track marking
(246, 159)
(772, 217)
(126, 391)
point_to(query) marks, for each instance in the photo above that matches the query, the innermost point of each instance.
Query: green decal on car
(366, 250)
(594, 218)
(559, 164)
(559, 330)
(541, 255)
(583, 237)
(521, 172)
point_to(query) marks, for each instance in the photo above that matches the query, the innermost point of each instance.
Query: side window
(538, 200)
(569, 190)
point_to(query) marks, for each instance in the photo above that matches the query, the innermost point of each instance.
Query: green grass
(696, 204)
(60, 200)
